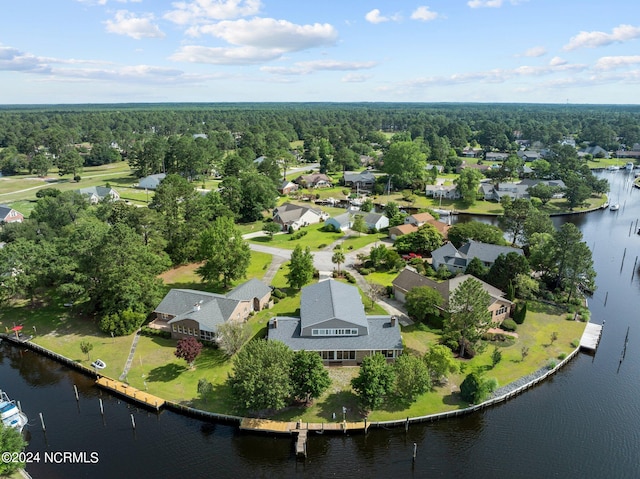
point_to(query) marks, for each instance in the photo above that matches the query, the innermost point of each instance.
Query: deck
(591, 337)
(131, 393)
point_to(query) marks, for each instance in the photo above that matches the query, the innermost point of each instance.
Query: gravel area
(518, 383)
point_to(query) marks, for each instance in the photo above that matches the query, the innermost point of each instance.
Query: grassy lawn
(316, 239)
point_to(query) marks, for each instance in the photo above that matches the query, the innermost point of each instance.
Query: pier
(302, 429)
(591, 337)
(131, 393)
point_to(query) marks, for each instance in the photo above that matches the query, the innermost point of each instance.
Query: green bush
(159, 333)
(552, 364)
(349, 277)
(509, 325)
(365, 271)
(575, 343)
(562, 356)
(278, 293)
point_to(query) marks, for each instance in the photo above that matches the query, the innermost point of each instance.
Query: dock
(591, 337)
(301, 429)
(130, 392)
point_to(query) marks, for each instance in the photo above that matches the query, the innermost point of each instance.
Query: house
(481, 168)
(333, 323)
(151, 182)
(469, 152)
(376, 221)
(492, 156)
(187, 312)
(95, 194)
(628, 154)
(595, 151)
(457, 260)
(259, 160)
(9, 215)
(315, 180)
(528, 155)
(294, 216)
(287, 187)
(448, 192)
(362, 181)
(516, 190)
(341, 222)
(420, 219)
(500, 307)
(401, 230)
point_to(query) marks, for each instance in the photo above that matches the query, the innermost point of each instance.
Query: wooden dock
(131, 393)
(302, 429)
(591, 337)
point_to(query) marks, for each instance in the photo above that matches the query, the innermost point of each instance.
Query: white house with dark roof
(188, 312)
(456, 260)
(333, 323)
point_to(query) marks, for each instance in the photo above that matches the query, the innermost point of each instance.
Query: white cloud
(127, 23)
(203, 11)
(424, 14)
(225, 56)
(354, 78)
(305, 68)
(613, 63)
(535, 52)
(268, 33)
(12, 59)
(374, 16)
(619, 34)
(492, 3)
(557, 61)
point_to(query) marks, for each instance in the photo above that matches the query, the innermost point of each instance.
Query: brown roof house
(333, 323)
(187, 312)
(500, 307)
(401, 230)
(315, 180)
(420, 219)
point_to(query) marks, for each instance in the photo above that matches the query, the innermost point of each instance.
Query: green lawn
(315, 238)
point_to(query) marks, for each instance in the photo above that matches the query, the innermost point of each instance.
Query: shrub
(575, 343)
(322, 245)
(562, 356)
(122, 323)
(365, 271)
(389, 290)
(552, 364)
(349, 277)
(158, 333)
(278, 293)
(77, 178)
(509, 325)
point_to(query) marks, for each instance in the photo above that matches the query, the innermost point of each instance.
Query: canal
(584, 422)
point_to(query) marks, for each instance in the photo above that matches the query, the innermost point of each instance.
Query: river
(584, 422)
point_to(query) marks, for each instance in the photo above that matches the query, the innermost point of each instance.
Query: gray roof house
(9, 215)
(96, 194)
(333, 323)
(376, 221)
(295, 216)
(187, 312)
(151, 182)
(457, 260)
(341, 222)
(364, 180)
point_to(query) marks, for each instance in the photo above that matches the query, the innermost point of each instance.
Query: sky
(516, 51)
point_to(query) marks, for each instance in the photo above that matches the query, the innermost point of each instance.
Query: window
(207, 335)
(328, 355)
(335, 332)
(346, 354)
(175, 328)
(502, 310)
(387, 353)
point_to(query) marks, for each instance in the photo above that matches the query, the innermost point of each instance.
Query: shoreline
(502, 394)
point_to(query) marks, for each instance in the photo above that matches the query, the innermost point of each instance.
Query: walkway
(127, 366)
(276, 262)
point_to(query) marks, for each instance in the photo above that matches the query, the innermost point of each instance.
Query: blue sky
(536, 51)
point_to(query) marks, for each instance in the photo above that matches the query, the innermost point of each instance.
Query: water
(584, 422)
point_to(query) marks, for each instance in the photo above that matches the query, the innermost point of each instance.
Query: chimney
(393, 321)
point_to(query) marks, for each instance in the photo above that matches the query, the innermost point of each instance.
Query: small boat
(629, 166)
(613, 168)
(10, 414)
(614, 207)
(99, 364)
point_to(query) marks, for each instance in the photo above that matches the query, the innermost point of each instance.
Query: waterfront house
(188, 312)
(333, 323)
(500, 307)
(362, 181)
(287, 187)
(456, 260)
(315, 180)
